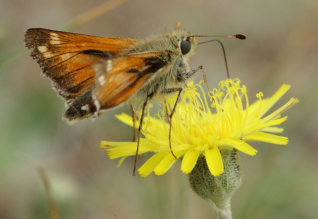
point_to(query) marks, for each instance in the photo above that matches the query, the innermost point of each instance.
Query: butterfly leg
(205, 78)
(184, 77)
(139, 131)
(133, 115)
(181, 77)
(170, 116)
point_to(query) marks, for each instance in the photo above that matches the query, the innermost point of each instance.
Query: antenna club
(240, 36)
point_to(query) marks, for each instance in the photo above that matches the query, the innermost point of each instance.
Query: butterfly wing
(127, 76)
(118, 79)
(68, 59)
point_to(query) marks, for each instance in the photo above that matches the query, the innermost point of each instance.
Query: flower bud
(218, 189)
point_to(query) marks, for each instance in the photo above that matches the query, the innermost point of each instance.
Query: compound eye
(185, 46)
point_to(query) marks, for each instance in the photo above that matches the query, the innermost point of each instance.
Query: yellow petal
(268, 103)
(267, 137)
(239, 145)
(150, 164)
(124, 149)
(275, 122)
(282, 109)
(263, 125)
(273, 129)
(125, 118)
(165, 164)
(189, 160)
(128, 149)
(214, 161)
(121, 161)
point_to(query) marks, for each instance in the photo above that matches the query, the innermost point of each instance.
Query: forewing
(68, 59)
(122, 77)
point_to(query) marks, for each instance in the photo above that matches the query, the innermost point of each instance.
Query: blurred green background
(282, 47)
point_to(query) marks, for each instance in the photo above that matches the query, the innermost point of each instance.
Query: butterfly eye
(185, 46)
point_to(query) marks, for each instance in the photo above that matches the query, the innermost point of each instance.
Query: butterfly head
(185, 43)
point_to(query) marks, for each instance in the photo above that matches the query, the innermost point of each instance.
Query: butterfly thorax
(167, 46)
(169, 41)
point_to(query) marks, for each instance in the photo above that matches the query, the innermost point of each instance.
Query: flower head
(204, 124)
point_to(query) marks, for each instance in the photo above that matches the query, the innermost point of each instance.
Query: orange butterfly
(94, 74)
(97, 73)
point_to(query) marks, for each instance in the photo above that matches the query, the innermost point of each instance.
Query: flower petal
(282, 109)
(273, 129)
(150, 164)
(268, 103)
(214, 161)
(127, 149)
(239, 145)
(121, 161)
(124, 149)
(267, 137)
(125, 118)
(261, 125)
(189, 160)
(165, 164)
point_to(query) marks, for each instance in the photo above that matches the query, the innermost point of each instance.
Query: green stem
(225, 211)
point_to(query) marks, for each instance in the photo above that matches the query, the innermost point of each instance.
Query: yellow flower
(202, 125)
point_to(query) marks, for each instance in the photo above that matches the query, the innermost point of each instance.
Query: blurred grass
(280, 194)
(282, 47)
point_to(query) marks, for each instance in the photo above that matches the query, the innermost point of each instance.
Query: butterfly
(94, 74)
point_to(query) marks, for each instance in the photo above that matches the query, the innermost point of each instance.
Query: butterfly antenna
(224, 55)
(234, 36)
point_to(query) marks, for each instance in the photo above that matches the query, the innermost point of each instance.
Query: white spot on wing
(55, 42)
(85, 108)
(54, 35)
(44, 51)
(97, 105)
(109, 65)
(65, 56)
(101, 80)
(55, 39)
(48, 55)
